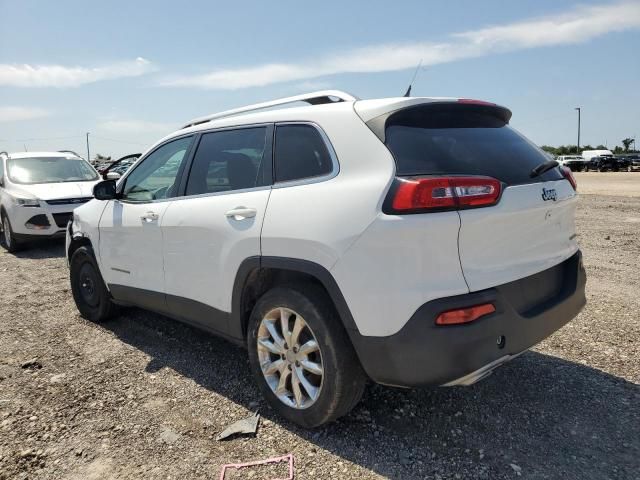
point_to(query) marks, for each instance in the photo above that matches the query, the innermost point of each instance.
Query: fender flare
(320, 273)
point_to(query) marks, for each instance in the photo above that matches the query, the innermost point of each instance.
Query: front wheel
(8, 239)
(301, 357)
(89, 291)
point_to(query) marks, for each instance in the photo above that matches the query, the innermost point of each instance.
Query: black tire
(343, 379)
(89, 291)
(8, 239)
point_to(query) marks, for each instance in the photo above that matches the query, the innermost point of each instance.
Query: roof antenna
(415, 74)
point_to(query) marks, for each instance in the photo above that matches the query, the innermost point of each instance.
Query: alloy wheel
(290, 358)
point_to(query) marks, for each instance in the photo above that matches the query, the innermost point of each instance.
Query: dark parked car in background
(631, 162)
(603, 163)
(121, 165)
(623, 162)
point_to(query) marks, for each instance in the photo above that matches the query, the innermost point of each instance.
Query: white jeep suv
(410, 241)
(38, 192)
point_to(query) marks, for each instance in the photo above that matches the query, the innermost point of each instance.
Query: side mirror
(105, 190)
(112, 176)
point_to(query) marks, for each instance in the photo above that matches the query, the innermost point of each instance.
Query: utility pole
(578, 109)
(88, 154)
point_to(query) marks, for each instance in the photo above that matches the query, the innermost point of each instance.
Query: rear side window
(454, 139)
(228, 160)
(300, 153)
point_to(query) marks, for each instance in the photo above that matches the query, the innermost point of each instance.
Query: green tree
(627, 143)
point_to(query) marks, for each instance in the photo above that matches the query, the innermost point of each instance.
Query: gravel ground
(144, 397)
(609, 183)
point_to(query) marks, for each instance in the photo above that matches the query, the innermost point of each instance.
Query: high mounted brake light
(414, 195)
(471, 101)
(568, 174)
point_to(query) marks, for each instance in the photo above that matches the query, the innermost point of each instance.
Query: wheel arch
(258, 274)
(78, 240)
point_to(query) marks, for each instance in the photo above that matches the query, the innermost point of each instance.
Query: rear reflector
(445, 193)
(465, 315)
(568, 174)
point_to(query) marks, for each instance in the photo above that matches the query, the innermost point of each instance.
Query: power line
(34, 139)
(119, 141)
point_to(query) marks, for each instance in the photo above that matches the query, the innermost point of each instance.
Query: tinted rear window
(454, 139)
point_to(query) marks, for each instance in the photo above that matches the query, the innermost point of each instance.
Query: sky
(130, 72)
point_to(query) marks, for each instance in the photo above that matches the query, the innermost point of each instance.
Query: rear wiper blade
(543, 167)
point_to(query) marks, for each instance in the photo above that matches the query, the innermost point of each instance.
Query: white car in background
(38, 192)
(574, 162)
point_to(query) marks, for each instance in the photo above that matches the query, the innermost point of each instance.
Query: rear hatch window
(465, 139)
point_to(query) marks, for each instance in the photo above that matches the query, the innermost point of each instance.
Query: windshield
(50, 170)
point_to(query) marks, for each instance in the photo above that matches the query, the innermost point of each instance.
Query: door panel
(209, 232)
(205, 243)
(130, 234)
(131, 246)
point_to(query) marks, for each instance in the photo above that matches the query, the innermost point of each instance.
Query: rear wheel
(89, 291)
(301, 357)
(8, 239)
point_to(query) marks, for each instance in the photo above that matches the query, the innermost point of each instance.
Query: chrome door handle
(240, 213)
(150, 217)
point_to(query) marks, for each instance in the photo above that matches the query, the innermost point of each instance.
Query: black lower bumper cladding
(527, 311)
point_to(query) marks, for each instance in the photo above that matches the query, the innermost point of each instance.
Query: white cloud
(125, 126)
(17, 114)
(578, 25)
(60, 76)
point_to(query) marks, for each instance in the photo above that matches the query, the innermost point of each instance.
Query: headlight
(26, 202)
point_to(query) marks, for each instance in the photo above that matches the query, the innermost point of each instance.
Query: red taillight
(568, 174)
(443, 193)
(464, 315)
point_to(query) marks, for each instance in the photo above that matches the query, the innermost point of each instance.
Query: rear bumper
(527, 311)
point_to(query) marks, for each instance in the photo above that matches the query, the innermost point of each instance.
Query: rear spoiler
(376, 116)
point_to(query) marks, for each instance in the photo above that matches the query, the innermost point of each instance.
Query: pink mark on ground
(236, 466)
